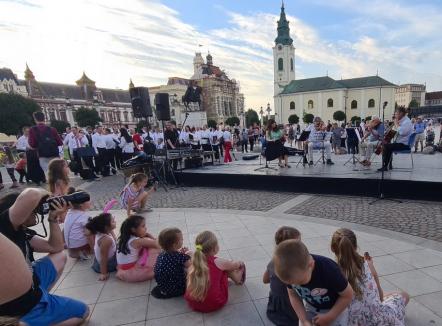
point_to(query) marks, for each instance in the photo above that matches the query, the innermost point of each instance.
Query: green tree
(16, 112)
(339, 116)
(211, 123)
(60, 125)
(232, 121)
(308, 118)
(141, 124)
(355, 119)
(413, 104)
(251, 117)
(86, 117)
(293, 119)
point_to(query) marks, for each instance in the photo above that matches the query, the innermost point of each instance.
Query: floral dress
(370, 311)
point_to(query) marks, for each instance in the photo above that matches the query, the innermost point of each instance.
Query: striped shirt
(128, 193)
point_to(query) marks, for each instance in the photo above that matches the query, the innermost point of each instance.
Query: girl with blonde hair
(207, 278)
(369, 306)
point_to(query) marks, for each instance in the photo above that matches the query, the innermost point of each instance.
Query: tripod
(165, 168)
(353, 135)
(381, 195)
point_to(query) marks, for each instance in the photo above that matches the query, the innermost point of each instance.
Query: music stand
(353, 134)
(302, 138)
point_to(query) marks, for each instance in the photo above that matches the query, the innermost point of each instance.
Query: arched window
(280, 64)
(371, 103)
(291, 64)
(310, 104)
(126, 116)
(354, 104)
(292, 105)
(330, 103)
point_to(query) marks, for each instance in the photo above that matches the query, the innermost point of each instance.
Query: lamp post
(268, 110)
(261, 113)
(345, 108)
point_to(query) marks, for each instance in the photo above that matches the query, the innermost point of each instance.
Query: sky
(151, 40)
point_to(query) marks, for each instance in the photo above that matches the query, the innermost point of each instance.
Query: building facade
(9, 83)
(407, 93)
(322, 96)
(433, 98)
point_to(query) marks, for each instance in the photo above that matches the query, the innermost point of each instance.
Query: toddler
(137, 251)
(279, 308)
(207, 280)
(20, 167)
(9, 163)
(105, 261)
(133, 196)
(315, 279)
(170, 268)
(369, 306)
(78, 239)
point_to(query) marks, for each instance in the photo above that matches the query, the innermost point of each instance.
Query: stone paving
(423, 219)
(248, 236)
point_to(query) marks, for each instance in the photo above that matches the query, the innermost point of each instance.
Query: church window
(280, 64)
(292, 105)
(291, 64)
(330, 103)
(371, 103)
(354, 104)
(310, 104)
(126, 116)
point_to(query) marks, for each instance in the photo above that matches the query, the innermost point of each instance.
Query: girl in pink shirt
(133, 196)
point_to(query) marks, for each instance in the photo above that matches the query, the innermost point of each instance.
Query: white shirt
(22, 143)
(73, 142)
(98, 141)
(184, 137)
(125, 146)
(131, 257)
(205, 136)
(97, 250)
(404, 131)
(74, 226)
(227, 135)
(109, 140)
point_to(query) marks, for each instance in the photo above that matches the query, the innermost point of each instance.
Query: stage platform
(423, 182)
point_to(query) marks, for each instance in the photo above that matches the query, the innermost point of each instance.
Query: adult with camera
(33, 304)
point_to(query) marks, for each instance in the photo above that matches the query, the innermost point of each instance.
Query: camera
(78, 197)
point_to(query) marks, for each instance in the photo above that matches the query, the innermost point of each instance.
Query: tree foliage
(293, 118)
(16, 112)
(60, 125)
(86, 117)
(211, 123)
(339, 116)
(251, 117)
(355, 119)
(232, 121)
(413, 104)
(308, 118)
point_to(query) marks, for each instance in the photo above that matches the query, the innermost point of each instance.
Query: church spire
(131, 84)
(28, 73)
(283, 29)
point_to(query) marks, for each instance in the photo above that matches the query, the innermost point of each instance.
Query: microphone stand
(381, 195)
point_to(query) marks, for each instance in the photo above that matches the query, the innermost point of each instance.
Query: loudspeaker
(163, 106)
(139, 97)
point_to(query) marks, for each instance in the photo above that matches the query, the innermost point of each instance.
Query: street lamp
(268, 109)
(345, 108)
(261, 113)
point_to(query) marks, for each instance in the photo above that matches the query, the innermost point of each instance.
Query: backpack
(47, 145)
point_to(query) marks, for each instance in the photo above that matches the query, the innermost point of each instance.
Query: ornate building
(221, 98)
(322, 96)
(9, 83)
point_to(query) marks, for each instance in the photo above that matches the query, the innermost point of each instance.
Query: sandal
(243, 277)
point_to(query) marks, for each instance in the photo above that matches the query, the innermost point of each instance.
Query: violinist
(275, 144)
(374, 134)
(404, 129)
(318, 139)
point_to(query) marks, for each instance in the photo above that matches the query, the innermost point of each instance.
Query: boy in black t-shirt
(315, 279)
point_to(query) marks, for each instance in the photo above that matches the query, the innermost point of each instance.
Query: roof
(311, 85)
(85, 80)
(283, 29)
(178, 80)
(433, 96)
(6, 73)
(370, 81)
(328, 83)
(115, 95)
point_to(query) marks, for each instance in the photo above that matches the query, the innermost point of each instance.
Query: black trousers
(111, 157)
(388, 151)
(252, 143)
(23, 174)
(101, 160)
(244, 146)
(118, 157)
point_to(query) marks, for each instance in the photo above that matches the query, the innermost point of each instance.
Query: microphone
(385, 104)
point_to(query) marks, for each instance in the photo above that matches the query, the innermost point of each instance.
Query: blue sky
(150, 40)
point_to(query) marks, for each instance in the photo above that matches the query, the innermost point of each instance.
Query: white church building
(322, 96)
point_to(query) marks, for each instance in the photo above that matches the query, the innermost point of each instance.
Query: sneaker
(310, 163)
(330, 162)
(157, 293)
(384, 168)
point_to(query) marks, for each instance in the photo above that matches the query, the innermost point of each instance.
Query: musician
(275, 144)
(184, 136)
(318, 139)
(205, 139)
(372, 138)
(404, 129)
(171, 136)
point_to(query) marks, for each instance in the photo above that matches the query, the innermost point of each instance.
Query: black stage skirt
(35, 172)
(274, 150)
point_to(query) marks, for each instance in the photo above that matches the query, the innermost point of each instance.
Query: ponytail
(344, 246)
(132, 222)
(99, 223)
(198, 275)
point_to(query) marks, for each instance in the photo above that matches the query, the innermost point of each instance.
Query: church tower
(283, 55)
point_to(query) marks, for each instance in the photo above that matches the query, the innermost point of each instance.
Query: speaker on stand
(139, 97)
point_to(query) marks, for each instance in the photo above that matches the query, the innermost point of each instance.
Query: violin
(390, 133)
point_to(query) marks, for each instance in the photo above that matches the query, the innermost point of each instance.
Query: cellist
(404, 129)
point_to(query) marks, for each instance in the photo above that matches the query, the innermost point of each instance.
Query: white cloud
(148, 42)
